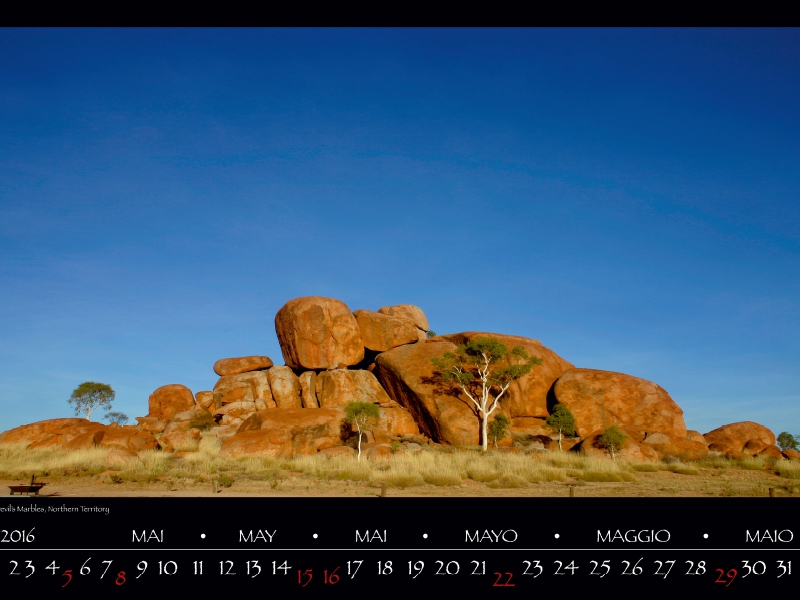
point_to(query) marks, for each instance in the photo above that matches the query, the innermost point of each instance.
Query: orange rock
(630, 451)
(728, 445)
(408, 312)
(734, 436)
(526, 397)
(771, 452)
(243, 364)
(119, 457)
(531, 426)
(285, 387)
(76, 435)
(599, 399)
(381, 332)
(791, 454)
(318, 333)
(204, 400)
(377, 452)
(338, 387)
(35, 431)
(232, 395)
(394, 421)
(257, 381)
(236, 410)
(283, 433)
(442, 414)
(129, 439)
(151, 424)
(696, 436)
(682, 448)
(753, 447)
(180, 440)
(169, 400)
(308, 389)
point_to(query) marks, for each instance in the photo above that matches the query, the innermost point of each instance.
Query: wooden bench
(32, 488)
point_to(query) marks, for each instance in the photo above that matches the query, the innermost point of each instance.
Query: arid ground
(426, 472)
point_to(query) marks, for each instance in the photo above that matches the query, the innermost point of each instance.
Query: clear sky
(629, 197)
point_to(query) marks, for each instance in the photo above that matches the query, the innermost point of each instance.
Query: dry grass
(450, 471)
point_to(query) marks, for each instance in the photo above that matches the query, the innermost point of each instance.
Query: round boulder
(599, 399)
(318, 333)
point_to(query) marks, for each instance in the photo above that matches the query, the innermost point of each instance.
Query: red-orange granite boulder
(381, 332)
(286, 387)
(409, 378)
(599, 399)
(771, 452)
(318, 333)
(526, 397)
(631, 450)
(340, 386)
(733, 436)
(205, 400)
(682, 448)
(169, 400)
(308, 389)
(284, 433)
(407, 312)
(33, 432)
(791, 454)
(242, 364)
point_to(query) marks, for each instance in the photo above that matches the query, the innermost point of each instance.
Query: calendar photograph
(382, 286)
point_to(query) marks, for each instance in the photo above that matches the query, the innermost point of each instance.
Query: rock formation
(334, 357)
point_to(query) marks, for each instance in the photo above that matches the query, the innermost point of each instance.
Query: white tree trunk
(560, 449)
(359, 439)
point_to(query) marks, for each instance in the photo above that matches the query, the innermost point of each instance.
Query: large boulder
(442, 413)
(683, 448)
(318, 333)
(242, 364)
(128, 439)
(25, 434)
(733, 437)
(169, 400)
(407, 312)
(340, 386)
(381, 332)
(284, 433)
(631, 450)
(87, 433)
(599, 399)
(285, 387)
(243, 387)
(526, 397)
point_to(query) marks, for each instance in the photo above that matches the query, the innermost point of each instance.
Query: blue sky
(629, 197)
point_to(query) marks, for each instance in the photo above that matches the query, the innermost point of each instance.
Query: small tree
(612, 440)
(561, 420)
(116, 417)
(364, 415)
(89, 396)
(498, 427)
(474, 369)
(787, 441)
